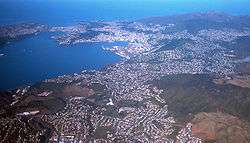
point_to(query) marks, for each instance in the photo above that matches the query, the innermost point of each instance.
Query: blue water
(65, 12)
(39, 57)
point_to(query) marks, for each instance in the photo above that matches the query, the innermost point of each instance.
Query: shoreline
(177, 73)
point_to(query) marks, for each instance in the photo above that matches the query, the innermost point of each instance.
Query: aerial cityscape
(182, 78)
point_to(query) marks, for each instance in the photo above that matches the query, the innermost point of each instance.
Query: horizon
(67, 12)
(125, 71)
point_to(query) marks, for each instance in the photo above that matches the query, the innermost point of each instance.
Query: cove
(39, 57)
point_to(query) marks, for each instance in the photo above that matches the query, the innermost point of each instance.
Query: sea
(38, 57)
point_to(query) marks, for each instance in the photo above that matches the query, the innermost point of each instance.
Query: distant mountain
(197, 21)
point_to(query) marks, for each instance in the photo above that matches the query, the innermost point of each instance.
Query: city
(121, 103)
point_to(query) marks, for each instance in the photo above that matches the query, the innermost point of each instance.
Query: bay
(36, 58)
(39, 57)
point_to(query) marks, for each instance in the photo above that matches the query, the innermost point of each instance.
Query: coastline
(174, 81)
